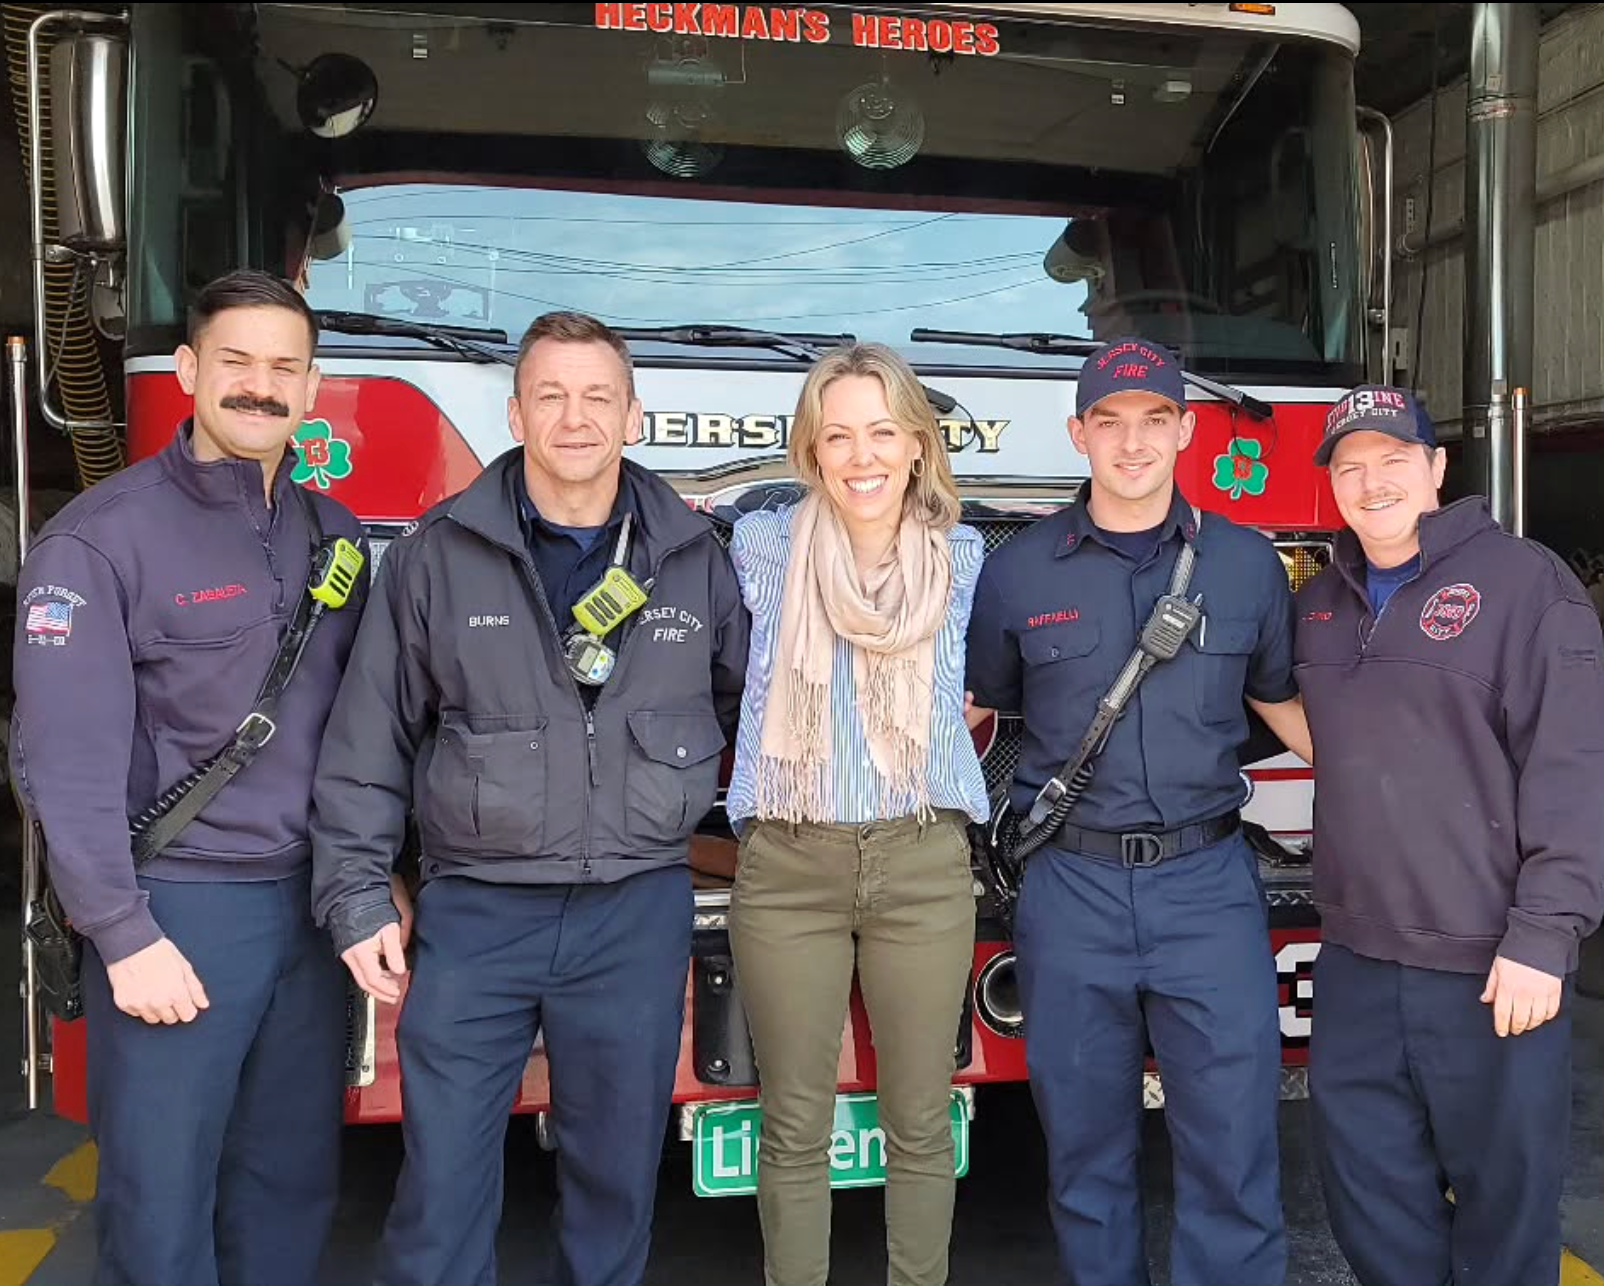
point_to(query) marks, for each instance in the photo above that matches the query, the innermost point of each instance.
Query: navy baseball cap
(1125, 366)
(1376, 409)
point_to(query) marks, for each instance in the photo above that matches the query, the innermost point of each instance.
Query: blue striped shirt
(760, 550)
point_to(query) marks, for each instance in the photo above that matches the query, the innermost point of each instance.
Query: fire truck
(991, 189)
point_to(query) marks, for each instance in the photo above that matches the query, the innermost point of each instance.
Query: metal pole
(17, 357)
(1378, 118)
(1520, 415)
(1500, 237)
(17, 368)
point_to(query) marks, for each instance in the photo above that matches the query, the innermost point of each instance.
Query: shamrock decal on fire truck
(1240, 470)
(324, 458)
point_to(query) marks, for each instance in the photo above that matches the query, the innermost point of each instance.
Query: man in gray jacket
(558, 745)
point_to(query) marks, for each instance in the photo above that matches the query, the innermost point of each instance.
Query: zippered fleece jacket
(148, 615)
(458, 707)
(1459, 752)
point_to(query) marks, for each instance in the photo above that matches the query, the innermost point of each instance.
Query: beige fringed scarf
(891, 622)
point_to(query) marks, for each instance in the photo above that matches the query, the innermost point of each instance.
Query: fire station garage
(1293, 200)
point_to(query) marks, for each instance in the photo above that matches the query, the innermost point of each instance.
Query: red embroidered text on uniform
(217, 595)
(1053, 618)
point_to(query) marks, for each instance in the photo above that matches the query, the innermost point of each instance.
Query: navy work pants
(1414, 1093)
(1177, 954)
(219, 1139)
(600, 970)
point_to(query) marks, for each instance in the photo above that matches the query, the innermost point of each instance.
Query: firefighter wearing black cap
(1142, 918)
(1453, 685)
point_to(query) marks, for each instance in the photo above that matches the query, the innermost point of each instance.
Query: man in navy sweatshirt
(148, 615)
(1451, 675)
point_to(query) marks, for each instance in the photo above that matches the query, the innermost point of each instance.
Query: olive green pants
(897, 899)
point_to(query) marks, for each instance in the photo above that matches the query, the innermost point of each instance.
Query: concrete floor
(1001, 1238)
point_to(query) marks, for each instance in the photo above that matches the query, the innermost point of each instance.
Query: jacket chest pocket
(1220, 668)
(672, 776)
(485, 791)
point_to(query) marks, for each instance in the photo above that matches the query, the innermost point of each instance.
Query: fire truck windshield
(821, 170)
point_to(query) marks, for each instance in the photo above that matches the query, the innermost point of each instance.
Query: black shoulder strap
(160, 824)
(1062, 790)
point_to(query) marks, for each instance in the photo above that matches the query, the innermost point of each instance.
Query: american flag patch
(49, 622)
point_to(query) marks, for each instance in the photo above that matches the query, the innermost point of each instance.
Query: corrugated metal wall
(1568, 372)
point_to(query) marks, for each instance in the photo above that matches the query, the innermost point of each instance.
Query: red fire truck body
(981, 188)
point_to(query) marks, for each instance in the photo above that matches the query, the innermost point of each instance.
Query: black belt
(1147, 848)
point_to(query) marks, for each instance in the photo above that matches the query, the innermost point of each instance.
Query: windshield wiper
(471, 342)
(804, 347)
(1083, 346)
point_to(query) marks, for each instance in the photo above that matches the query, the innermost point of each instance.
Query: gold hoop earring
(917, 468)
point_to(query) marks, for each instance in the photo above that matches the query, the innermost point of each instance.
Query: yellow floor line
(23, 1251)
(1573, 1272)
(75, 1173)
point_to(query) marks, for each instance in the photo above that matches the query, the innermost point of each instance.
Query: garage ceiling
(1394, 67)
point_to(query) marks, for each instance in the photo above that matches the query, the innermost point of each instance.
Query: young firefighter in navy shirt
(148, 615)
(1452, 679)
(1143, 918)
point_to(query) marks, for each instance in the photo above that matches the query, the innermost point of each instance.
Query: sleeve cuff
(1554, 951)
(1277, 695)
(121, 938)
(358, 924)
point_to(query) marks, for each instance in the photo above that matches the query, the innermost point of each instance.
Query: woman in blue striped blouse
(854, 781)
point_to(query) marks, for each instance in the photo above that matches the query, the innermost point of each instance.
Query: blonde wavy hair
(932, 494)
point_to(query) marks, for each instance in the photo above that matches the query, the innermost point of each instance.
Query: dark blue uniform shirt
(1057, 613)
(569, 560)
(1381, 583)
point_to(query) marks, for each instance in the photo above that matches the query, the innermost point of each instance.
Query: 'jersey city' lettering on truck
(771, 432)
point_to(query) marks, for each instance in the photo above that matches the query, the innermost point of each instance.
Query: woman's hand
(975, 715)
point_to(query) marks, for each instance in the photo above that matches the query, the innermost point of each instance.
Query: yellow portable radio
(601, 609)
(335, 568)
(610, 601)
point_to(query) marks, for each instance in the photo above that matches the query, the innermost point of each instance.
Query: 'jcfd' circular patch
(1449, 611)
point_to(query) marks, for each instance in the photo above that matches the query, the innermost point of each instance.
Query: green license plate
(724, 1147)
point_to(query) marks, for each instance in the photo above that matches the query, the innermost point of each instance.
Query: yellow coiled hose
(71, 349)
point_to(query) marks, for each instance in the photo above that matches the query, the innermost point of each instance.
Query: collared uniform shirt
(1057, 614)
(760, 550)
(566, 567)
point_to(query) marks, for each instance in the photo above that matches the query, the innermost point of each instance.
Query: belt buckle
(1139, 849)
(255, 730)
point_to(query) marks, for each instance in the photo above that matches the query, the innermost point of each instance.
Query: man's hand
(157, 984)
(975, 715)
(403, 904)
(1522, 998)
(379, 963)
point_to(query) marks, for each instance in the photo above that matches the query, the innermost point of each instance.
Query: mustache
(259, 405)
